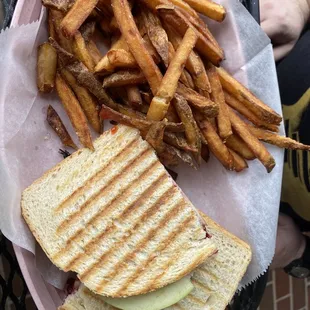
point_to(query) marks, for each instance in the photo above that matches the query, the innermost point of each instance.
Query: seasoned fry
(197, 101)
(160, 103)
(205, 153)
(82, 75)
(155, 136)
(63, 5)
(50, 26)
(74, 111)
(56, 123)
(81, 52)
(216, 145)
(153, 4)
(194, 63)
(239, 163)
(134, 40)
(172, 115)
(252, 103)
(243, 110)
(124, 78)
(177, 140)
(46, 67)
(252, 142)
(191, 129)
(86, 100)
(217, 95)
(236, 144)
(181, 24)
(208, 8)
(189, 80)
(65, 43)
(76, 16)
(151, 49)
(134, 96)
(156, 33)
(275, 139)
(94, 51)
(137, 122)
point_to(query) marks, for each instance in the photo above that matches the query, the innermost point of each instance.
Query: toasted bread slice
(116, 217)
(215, 281)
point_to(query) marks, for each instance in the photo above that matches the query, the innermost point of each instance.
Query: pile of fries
(161, 75)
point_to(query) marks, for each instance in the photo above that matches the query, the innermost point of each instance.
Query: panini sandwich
(116, 218)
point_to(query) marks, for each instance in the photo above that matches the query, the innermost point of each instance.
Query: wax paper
(244, 203)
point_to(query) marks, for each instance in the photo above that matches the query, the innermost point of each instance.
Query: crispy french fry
(197, 101)
(236, 144)
(46, 67)
(86, 100)
(208, 8)
(105, 26)
(82, 75)
(216, 145)
(275, 139)
(124, 78)
(205, 153)
(181, 24)
(94, 51)
(127, 110)
(105, 7)
(236, 89)
(239, 162)
(191, 129)
(81, 52)
(217, 95)
(243, 110)
(189, 80)
(156, 33)
(155, 136)
(137, 122)
(63, 5)
(177, 140)
(194, 63)
(172, 115)
(134, 96)
(56, 123)
(153, 4)
(76, 16)
(150, 48)
(135, 42)
(252, 142)
(57, 17)
(74, 111)
(160, 103)
(146, 96)
(50, 26)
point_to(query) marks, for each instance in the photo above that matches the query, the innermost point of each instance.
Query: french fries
(160, 103)
(156, 33)
(252, 103)
(197, 101)
(134, 96)
(191, 128)
(161, 75)
(275, 139)
(56, 123)
(86, 100)
(252, 142)
(74, 111)
(242, 109)
(124, 78)
(46, 67)
(80, 10)
(208, 8)
(177, 20)
(223, 122)
(236, 144)
(216, 145)
(81, 51)
(134, 40)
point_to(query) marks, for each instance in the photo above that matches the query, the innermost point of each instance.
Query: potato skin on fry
(74, 111)
(56, 123)
(46, 67)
